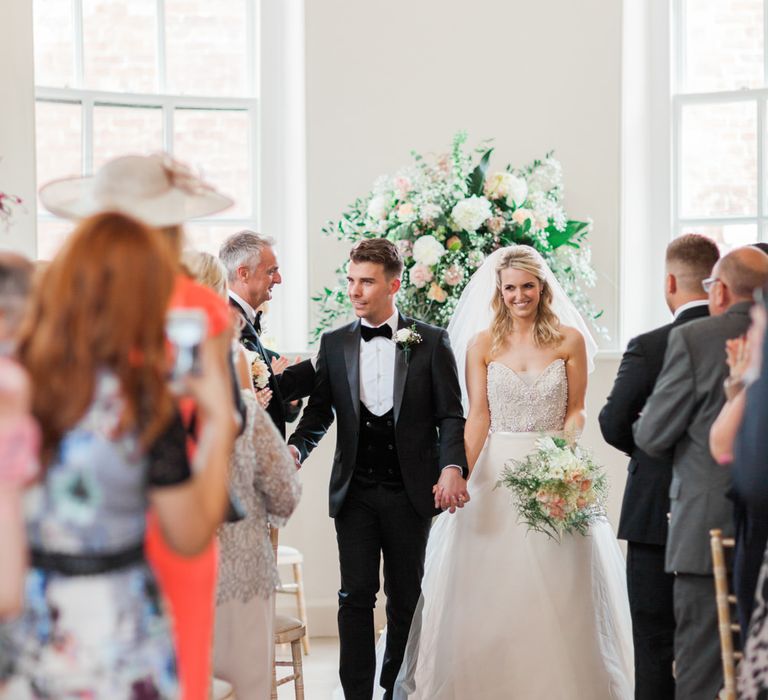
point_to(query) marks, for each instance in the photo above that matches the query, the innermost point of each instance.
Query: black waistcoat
(376, 454)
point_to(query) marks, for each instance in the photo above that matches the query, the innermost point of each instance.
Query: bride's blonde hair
(546, 327)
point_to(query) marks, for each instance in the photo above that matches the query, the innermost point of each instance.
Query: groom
(399, 456)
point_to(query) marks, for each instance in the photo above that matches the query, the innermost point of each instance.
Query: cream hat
(155, 189)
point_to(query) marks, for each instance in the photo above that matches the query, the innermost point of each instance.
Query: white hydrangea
(378, 207)
(429, 212)
(427, 250)
(469, 214)
(546, 176)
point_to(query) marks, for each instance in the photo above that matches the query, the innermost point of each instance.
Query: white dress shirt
(250, 312)
(690, 305)
(377, 369)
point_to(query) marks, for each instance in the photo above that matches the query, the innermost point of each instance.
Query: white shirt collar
(690, 305)
(391, 322)
(250, 312)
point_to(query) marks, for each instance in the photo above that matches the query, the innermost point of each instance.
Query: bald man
(675, 424)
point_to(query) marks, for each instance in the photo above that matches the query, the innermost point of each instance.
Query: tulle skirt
(507, 613)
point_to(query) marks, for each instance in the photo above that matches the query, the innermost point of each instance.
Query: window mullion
(678, 27)
(162, 66)
(760, 104)
(77, 21)
(676, 165)
(168, 110)
(251, 19)
(87, 107)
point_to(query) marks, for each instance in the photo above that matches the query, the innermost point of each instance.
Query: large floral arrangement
(446, 214)
(557, 488)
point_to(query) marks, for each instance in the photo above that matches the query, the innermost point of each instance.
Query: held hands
(296, 456)
(450, 491)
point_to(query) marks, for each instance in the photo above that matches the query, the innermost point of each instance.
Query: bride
(507, 613)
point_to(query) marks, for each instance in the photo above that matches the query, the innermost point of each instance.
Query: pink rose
(520, 216)
(586, 485)
(403, 186)
(406, 212)
(420, 275)
(453, 243)
(453, 275)
(496, 224)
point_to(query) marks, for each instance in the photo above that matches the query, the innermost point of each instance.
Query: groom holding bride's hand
(393, 385)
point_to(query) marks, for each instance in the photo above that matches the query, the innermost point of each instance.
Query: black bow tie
(384, 331)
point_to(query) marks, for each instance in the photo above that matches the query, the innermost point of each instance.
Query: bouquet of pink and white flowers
(557, 489)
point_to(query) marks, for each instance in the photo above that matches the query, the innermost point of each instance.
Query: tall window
(115, 77)
(720, 91)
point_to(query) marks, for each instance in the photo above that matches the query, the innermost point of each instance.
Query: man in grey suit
(675, 423)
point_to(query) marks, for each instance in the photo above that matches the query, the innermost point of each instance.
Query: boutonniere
(406, 338)
(259, 370)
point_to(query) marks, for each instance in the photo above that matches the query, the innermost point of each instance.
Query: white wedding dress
(507, 613)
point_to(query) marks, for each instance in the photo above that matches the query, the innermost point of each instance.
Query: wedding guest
(265, 480)
(253, 271)
(643, 521)
(675, 424)
(164, 193)
(112, 442)
(19, 434)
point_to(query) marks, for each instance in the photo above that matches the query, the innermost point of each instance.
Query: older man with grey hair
(252, 273)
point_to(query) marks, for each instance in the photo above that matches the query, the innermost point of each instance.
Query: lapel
(401, 369)
(352, 363)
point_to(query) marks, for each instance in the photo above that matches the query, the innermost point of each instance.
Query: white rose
(427, 250)
(469, 214)
(517, 191)
(378, 207)
(429, 212)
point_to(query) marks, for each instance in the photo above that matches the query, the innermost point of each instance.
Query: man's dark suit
(676, 422)
(373, 517)
(295, 382)
(643, 521)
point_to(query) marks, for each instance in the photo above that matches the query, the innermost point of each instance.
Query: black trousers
(651, 603)
(377, 521)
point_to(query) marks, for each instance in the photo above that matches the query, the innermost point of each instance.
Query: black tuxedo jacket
(646, 494)
(295, 382)
(429, 419)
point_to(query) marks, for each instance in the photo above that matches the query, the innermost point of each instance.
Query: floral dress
(100, 636)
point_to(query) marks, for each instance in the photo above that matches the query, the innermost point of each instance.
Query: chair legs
(298, 671)
(298, 577)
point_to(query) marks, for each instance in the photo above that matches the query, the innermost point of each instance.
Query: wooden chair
(728, 630)
(288, 630)
(289, 556)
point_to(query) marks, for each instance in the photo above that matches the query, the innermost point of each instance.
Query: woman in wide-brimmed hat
(164, 194)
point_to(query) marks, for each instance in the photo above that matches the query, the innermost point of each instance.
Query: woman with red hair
(112, 445)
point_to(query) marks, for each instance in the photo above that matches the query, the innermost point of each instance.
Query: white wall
(386, 77)
(17, 122)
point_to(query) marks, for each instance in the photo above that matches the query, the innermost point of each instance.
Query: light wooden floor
(321, 671)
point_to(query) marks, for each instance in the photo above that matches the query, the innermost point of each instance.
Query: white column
(17, 124)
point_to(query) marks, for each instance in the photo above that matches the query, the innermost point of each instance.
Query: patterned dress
(101, 636)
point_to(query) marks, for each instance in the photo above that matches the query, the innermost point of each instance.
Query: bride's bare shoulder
(480, 344)
(572, 338)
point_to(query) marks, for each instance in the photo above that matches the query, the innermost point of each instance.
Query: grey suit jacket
(675, 423)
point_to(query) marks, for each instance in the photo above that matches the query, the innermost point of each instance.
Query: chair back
(725, 601)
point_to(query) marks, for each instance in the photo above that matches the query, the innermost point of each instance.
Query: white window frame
(681, 99)
(275, 79)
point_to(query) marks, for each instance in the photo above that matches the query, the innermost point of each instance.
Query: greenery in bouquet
(446, 214)
(557, 488)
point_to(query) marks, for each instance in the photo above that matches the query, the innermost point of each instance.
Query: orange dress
(189, 583)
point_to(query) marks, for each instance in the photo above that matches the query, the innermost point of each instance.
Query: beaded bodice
(524, 405)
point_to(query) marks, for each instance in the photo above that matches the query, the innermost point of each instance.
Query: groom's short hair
(693, 256)
(379, 251)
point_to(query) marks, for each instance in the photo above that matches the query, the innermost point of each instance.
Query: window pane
(207, 237)
(120, 45)
(719, 160)
(121, 130)
(728, 236)
(723, 44)
(217, 143)
(51, 234)
(54, 43)
(206, 47)
(59, 145)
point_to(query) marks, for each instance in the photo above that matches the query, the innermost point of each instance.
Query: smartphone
(185, 330)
